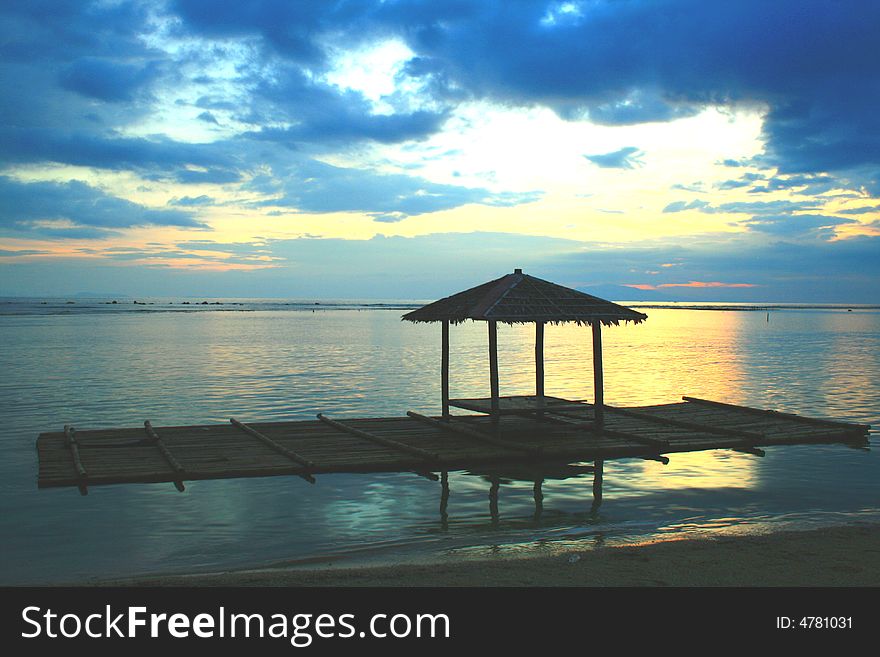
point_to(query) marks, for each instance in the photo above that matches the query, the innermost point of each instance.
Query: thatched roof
(520, 298)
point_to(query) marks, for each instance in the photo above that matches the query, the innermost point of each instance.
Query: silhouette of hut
(518, 298)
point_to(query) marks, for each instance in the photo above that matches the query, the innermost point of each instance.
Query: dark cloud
(681, 206)
(321, 113)
(208, 117)
(154, 158)
(74, 209)
(865, 209)
(107, 80)
(6, 253)
(806, 185)
(696, 187)
(624, 158)
(810, 61)
(190, 201)
(637, 106)
(761, 207)
(289, 28)
(744, 180)
(75, 63)
(329, 129)
(814, 226)
(742, 207)
(314, 186)
(732, 184)
(773, 217)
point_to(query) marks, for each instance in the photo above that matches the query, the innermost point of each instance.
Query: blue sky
(668, 149)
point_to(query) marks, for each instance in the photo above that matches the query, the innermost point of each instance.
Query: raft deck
(555, 433)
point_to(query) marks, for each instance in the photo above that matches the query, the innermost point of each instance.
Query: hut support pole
(598, 381)
(539, 359)
(493, 366)
(444, 369)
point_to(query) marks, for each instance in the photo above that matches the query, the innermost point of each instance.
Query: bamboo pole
(444, 368)
(685, 424)
(81, 474)
(281, 449)
(598, 477)
(493, 365)
(598, 378)
(444, 498)
(539, 359)
(173, 462)
(785, 416)
(433, 457)
(473, 433)
(601, 430)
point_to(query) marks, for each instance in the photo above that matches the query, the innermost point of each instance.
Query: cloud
(733, 184)
(696, 188)
(107, 80)
(154, 157)
(190, 201)
(702, 284)
(807, 64)
(319, 113)
(208, 117)
(75, 209)
(761, 207)
(7, 253)
(624, 158)
(743, 207)
(865, 209)
(843, 271)
(798, 225)
(313, 186)
(289, 28)
(636, 107)
(681, 206)
(810, 62)
(689, 284)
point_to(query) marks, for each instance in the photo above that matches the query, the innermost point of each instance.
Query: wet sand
(838, 556)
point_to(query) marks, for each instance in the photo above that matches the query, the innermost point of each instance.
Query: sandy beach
(838, 556)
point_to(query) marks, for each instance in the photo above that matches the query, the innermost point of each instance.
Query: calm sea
(95, 364)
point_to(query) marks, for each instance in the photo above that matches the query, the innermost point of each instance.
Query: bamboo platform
(558, 435)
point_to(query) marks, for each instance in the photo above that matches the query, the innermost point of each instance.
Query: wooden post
(444, 498)
(539, 359)
(444, 369)
(493, 365)
(493, 499)
(598, 476)
(598, 381)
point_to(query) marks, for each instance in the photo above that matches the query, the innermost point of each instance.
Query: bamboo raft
(526, 433)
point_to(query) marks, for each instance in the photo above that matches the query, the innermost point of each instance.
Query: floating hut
(518, 298)
(536, 433)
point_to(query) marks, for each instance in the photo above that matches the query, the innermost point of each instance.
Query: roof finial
(517, 271)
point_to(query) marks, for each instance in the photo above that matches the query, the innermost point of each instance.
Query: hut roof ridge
(520, 298)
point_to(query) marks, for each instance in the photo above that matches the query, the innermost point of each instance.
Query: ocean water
(95, 364)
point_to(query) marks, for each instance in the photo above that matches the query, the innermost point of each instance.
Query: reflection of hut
(520, 298)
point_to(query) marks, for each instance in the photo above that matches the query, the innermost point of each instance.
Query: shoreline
(847, 555)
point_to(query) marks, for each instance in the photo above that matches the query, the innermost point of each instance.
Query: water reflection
(535, 475)
(117, 370)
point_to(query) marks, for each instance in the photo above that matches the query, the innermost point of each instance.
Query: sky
(408, 149)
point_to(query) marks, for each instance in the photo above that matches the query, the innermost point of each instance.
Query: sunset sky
(674, 149)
